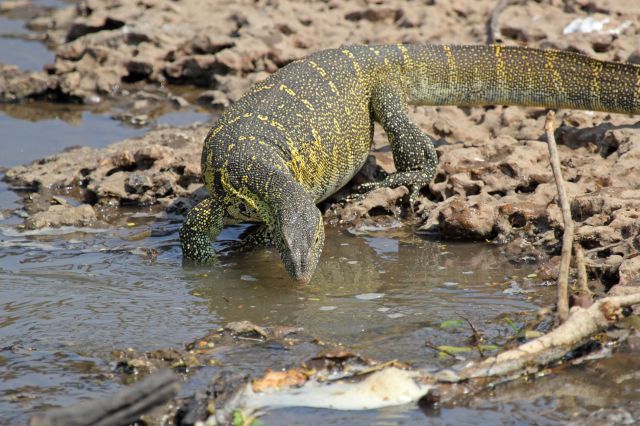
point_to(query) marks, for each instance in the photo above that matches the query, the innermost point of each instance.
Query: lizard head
(301, 240)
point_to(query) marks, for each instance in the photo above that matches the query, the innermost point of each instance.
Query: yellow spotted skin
(301, 134)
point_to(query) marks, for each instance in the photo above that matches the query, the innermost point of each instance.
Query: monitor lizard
(301, 134)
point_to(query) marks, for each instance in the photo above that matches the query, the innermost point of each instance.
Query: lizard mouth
(303, 278)
(300, 266)
(302, 270)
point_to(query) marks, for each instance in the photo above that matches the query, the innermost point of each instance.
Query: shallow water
(18, 50)
(38, 129)
(69, 297)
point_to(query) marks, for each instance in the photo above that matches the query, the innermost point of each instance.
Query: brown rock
(196, 68)
(58, 171)
(138, 183)
(604, 201)
(595, 236)
(512, 115)
(630, 272)
(442, 127)
(626, 157)
(463, 184)
(375, 14)
(16, 85)
(523, 212)
(626, 222)
(246, 329)
(10, 5)
(378, 201)
(549, 270)
(113, 186)
(214, 98)
(59, 215)
(472, 219)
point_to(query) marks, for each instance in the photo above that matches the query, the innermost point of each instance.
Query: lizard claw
(351, 198)
(361, 191)
(413, 195)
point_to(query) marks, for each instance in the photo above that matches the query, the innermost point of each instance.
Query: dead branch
(436, 348)
(567, 237)
(530, 356)
(612, 245)
(477, 337)
(123, 408)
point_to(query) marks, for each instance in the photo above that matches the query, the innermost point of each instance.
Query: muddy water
(69, 297)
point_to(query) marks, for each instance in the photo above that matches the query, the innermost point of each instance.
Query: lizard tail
(505, 75)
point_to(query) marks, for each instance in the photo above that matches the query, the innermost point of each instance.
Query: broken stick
(567, 236)
(123, 408)
(528, 357)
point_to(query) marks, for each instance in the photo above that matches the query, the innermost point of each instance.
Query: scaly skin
(297, 137)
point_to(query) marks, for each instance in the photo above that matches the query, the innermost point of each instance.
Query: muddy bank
(158, 168)
(107, 48)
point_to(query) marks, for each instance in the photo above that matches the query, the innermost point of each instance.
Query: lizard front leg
(201, 226)
(414, 156)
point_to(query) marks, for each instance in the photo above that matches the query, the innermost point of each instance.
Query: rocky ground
(493, 182)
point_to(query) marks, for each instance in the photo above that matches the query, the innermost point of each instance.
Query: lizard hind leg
(414, 155)
(202, 225)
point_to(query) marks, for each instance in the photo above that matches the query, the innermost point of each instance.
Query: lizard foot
(414, 180)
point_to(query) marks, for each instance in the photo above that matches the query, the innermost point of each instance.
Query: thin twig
(435, 348)
(567, 237)
(608, 246)
(476, 335)
(583, 286)
(121, 408)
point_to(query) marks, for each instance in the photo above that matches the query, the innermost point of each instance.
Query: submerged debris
(342, 380)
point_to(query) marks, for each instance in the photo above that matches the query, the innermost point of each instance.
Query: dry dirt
(493, 182)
